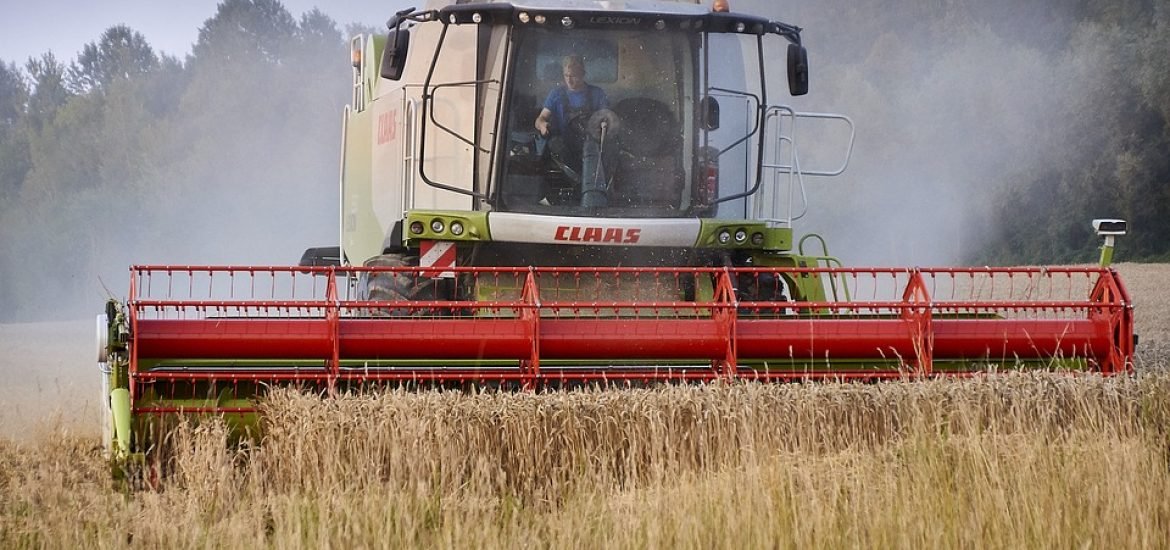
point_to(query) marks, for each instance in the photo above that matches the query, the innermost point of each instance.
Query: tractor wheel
(399, 286)
(761, 294)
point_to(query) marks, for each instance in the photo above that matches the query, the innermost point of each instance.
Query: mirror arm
(397, 18)
(410, 14)
(791, 32)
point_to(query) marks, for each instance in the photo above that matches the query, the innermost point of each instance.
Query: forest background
(989, 132)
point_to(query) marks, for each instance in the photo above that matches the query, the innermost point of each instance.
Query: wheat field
(1020, 460)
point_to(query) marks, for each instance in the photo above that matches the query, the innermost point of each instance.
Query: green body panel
(807, 287)
(778, 239)
(372, 64)
(1106, 255)
(149, 430)
(120, 415)
(362, 236)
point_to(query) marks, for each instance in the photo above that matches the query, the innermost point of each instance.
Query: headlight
(740, 235)
(437, 226)
(456, 228)
(724, 236)
(416, 227)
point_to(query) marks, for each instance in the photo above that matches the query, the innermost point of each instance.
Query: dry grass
(1019, 460)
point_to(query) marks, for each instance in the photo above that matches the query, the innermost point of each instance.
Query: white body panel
(397, 184)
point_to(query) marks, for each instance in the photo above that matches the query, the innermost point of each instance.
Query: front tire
(399, 286)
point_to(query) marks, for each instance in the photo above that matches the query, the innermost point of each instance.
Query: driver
(567, 119)
(575, 98)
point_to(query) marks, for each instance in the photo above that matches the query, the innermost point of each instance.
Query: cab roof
(669, 7)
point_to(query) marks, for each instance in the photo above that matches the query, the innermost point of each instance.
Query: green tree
(13, 138)
(13, 95)
(248, 31)
(120, 54)
(49, 91)
(1154, 69)
(137, 158)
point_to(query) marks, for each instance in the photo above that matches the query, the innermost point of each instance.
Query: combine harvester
(649, 240)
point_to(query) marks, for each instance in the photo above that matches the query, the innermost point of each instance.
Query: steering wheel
(591, 125)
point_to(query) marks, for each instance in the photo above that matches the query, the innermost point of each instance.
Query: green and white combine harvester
(649, 238)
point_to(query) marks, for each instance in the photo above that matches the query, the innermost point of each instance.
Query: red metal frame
(915, 317)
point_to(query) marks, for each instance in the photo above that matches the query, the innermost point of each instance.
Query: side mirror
(709, 113)
(797, 70)
(394, 58)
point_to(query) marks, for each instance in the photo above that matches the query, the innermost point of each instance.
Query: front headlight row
(741, 236)
(437, 226)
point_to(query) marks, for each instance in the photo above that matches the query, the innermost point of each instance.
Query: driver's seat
(649, 168)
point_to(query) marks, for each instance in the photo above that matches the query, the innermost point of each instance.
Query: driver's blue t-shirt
(561, 101)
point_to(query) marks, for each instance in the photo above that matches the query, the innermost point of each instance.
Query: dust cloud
(949, 107)
(50, 380)
(241, 169)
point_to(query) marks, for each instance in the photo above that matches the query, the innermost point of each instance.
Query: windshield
(629, 123)
(599, 122)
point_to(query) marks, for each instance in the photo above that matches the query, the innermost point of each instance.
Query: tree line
(124, 155)
(996, 128)
(993, 131)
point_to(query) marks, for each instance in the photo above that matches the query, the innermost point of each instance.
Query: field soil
(49, 380)
(1149, 287)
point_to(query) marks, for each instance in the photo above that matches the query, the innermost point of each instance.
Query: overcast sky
(31, 27)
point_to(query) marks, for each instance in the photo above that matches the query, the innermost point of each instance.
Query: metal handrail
(793, 168)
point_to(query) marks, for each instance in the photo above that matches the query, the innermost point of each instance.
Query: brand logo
(614, 20)
(617, 235)
(387, 127)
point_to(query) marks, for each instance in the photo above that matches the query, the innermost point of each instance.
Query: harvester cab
(583, 192)
(574, 134)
